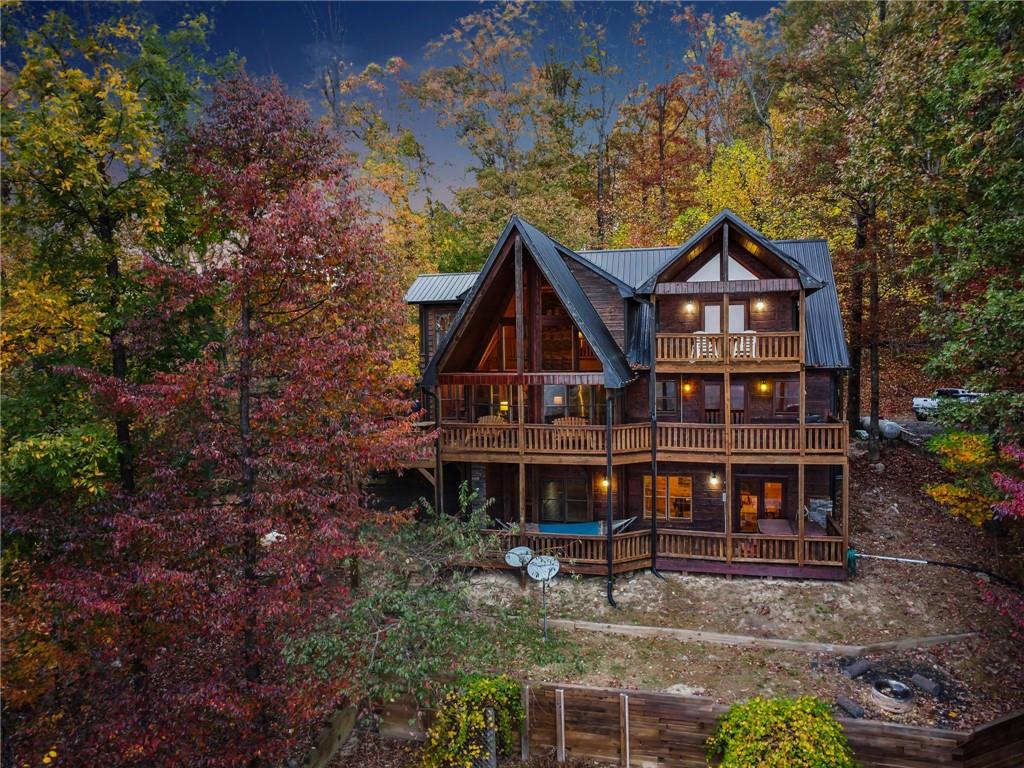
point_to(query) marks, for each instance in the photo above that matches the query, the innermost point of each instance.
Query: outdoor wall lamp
(687, 387)
(604, 483)
(713, 480)
(759, 305)
(763, 387)
(690, 307)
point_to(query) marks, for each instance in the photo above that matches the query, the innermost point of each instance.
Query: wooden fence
(646, 728)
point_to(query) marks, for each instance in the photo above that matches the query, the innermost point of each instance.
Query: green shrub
(456, 738)
(779, 733)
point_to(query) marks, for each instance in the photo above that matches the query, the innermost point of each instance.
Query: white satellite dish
(517, 557)
(543, 568)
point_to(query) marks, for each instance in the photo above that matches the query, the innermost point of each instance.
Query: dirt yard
(981, 678)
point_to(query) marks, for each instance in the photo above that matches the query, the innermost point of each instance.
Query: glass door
(750, 491)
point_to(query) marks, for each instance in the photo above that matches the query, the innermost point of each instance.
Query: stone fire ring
(892, 695)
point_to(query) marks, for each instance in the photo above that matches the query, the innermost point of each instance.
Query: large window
(564, 500)
(787, 398)
(667, 396)
(583, 401)
(674, 498)
(453, 402)
(713, 402)
(495, 401)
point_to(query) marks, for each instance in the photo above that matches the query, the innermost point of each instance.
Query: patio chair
(492, 438)
(568, 436)
(744, 345)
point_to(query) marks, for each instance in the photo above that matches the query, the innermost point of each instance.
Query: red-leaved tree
(179, 601)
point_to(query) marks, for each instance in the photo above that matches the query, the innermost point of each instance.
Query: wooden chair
(492, 419)
(570, 421)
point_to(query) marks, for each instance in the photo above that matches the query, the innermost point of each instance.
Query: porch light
(759, 305)
(713, 480)
(503, 407)
(604, 483)
(687, 387)
(762, 387)
(690, 307)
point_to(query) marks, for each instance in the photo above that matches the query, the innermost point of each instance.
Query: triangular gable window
(711, 271)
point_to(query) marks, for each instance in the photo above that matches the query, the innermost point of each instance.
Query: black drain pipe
(609, 545)
(852, 556)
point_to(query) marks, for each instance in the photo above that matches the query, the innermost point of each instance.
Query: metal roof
(547, 255)
(631, 265)
(826, 344)
(634, 267)
(440, 288)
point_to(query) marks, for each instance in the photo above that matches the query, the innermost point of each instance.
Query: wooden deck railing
(633, 549)
(705, 438)
(636, 438)
(702, 348)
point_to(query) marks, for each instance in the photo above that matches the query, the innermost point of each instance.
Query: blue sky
(280, 38)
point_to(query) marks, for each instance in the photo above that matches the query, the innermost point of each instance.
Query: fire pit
(892, 695)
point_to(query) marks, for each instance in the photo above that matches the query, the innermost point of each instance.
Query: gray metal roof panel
(826, 344)
(445, 287)
(632, 266)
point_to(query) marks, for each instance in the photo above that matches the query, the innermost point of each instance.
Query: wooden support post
(727, 503)
(653, 397)
(438, 463)
(724, 271)
(560, 725)
(846, 506)
(624, 757)
(800, 469)
(524, 729)
(609, 535)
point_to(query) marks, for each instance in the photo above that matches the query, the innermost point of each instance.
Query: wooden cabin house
(674, 407)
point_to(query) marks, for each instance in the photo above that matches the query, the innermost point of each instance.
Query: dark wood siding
(605, 297)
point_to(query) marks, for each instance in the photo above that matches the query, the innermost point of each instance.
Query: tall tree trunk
(600, 193)
(248, 475)
(874, 449)
(857, 318)
(119, 365)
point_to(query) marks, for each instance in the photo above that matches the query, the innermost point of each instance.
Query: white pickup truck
(929, 406)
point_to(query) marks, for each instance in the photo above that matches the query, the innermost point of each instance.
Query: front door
(760, 499)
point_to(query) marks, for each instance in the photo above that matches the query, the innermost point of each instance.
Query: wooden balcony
(677, 550)
(694, 350)
(482, 441)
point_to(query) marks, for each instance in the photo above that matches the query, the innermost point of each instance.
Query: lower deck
(784, 520)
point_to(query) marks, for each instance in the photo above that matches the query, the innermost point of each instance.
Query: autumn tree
(249, 490)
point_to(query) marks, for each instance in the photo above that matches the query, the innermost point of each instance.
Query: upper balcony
(750, 349)
(587, 443)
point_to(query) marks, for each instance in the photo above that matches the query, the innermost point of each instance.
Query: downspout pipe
(652, 396)
(609, 542)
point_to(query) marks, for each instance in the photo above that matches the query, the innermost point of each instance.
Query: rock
(857, 669)
(879, 467)
(930, 687)
(852, 708)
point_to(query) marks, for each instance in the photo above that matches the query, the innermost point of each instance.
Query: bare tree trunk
(874, 449)
(857, 320)
(253, 669)
(119, 365)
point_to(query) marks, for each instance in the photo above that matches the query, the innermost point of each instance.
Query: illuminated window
(674, 498)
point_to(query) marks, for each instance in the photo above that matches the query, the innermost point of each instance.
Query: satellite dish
(543, 568)
(517, 557)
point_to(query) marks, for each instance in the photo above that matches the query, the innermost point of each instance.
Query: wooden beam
(724, 271)
(524, 729)
(624, 757)
(560, 725)
(423, 471)
(800, 513)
